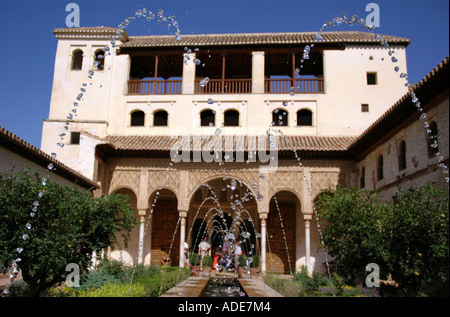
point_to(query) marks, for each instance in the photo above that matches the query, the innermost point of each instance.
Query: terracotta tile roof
(95, 31)
(433, 84)
(259, 39)
(19, 146)
(229, 143)
(190, 40)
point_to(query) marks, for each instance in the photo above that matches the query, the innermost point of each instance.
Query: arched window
(99, 60)
(77, 59)
(432, 139)
(380, 174)
(160, 118)
(304, 118)
(207, 118)
(362, 179)
(280, 117)
(137, 119)
(231, 118)
(402, 156)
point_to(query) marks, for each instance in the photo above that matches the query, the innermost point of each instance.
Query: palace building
(181, 126)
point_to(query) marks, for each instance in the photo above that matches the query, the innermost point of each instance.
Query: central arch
(224, 205)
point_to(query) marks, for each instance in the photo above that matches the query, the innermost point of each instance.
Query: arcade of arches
(282, 228)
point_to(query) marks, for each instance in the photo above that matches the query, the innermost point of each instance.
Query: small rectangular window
(371, 78)
(74, 137)
(364, 107)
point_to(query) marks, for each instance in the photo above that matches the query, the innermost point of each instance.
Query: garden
(408, 240)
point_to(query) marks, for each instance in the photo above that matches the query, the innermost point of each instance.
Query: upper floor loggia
(264, 63)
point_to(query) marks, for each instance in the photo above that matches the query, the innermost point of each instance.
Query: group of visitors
(225, 257)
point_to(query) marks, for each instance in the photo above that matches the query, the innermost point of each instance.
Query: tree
(408, 239)
(418, 230)
(44, 228)
(352, 221)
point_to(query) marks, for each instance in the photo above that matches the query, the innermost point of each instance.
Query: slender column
(308, 241)
(183, 215)
(188, 83)
(156, 73)
(223, 73)
(141, 239)
(258, 80)
(263, 218)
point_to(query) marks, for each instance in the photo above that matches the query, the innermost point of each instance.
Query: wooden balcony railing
(158, 87)
(301, 86)
(225, 86)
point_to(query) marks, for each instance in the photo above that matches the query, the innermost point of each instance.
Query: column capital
(263, 215)
(182, 213)
(142, 212)
(307, 216)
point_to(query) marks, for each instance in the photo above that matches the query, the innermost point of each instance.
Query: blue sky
(28, 46)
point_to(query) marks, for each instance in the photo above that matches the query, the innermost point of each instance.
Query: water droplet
(19, 250)
(218, 131)
(79, 97)
(210, 101)
(318, 38)
(35, 203)
(204, 81)
(423, 116)
(259, 197)
(44, 181)
(25, 236)
(211, 124)
(397, 68)
(285, 103)
(233, 184)
(53, 155)
(28, 226)
(41, 194)
(32, 214)
(196, 61)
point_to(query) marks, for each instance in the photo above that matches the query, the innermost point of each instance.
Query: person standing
(203, 248)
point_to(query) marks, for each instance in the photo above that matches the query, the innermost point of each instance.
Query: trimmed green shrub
(19, 288)
(115, 290)
(255, 261)
(242, 260)
(97, 279)
(207, 260)
(194, 259)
